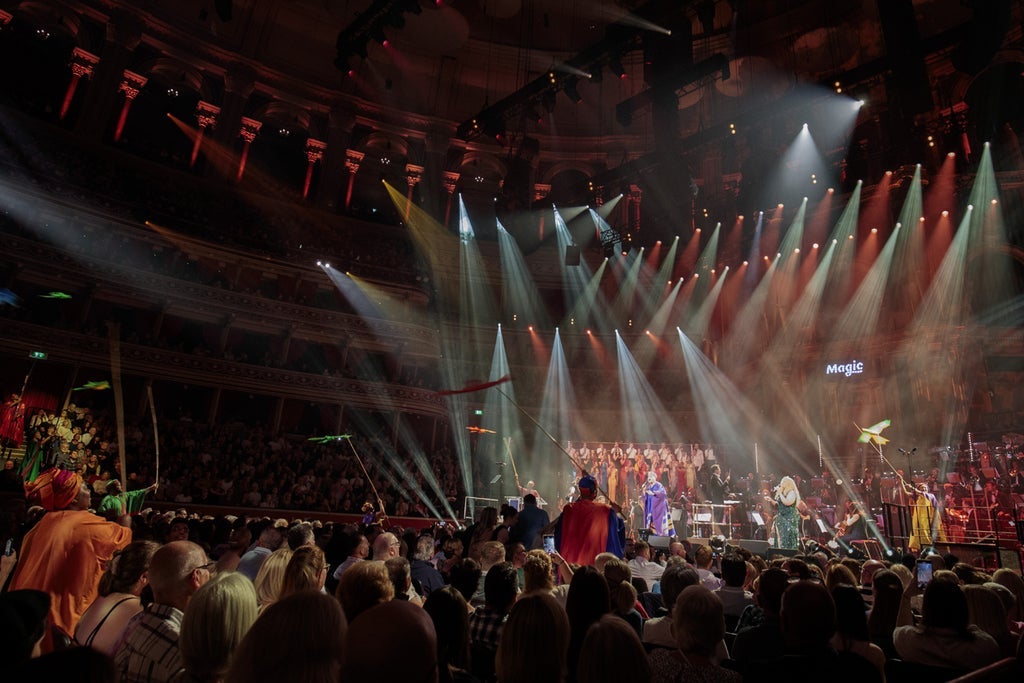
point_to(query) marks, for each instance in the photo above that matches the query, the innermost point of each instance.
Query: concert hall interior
(482, 243)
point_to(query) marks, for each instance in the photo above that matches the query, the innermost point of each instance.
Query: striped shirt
(148, 651)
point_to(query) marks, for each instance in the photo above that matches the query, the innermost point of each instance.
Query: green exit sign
(478, 412)
(37, 355)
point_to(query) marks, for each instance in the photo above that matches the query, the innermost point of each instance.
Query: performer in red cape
(587, 528)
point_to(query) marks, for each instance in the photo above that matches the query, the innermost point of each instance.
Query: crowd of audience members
(252, 599)
(239, 465)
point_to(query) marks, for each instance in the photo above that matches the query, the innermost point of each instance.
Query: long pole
(380, 501)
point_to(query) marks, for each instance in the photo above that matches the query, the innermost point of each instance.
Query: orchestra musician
(853, 526)
(717, 489)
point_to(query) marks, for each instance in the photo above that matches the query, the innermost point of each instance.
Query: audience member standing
(531, 520)
(270, 540)
(586, 527)
(66, 551)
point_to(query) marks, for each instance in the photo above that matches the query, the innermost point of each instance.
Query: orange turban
(54, 489)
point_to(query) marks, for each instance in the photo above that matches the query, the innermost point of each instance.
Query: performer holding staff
(657, 516)
(926, 523)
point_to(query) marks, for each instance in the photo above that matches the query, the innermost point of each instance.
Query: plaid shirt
(485, 627)
(148, 651)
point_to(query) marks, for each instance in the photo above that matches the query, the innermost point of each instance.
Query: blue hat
(588, 482)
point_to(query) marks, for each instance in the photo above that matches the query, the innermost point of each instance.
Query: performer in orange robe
(587, 528)
(66, 553)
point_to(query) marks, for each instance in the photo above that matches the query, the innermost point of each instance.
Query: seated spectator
(762, 639)
(270, 539)
(612, 653)
(534, 642)
(485, 624)
(734, 598)
(986, 611)
(23, 624)
(945, 638)
(363, 586)
(423, 572)
(491, 553)
(300, 534)
(702, 560)
(120, 591)
(216, 620)
(657, 631)
(852, 627)
(539, 577)
(238, 543)
(271, 577)
(149, 649)
(839, 575)
(386, 546)
(588, 600)
(886, 605)
(448, 610)
(401, 579)
(699, 626)
(360, 551)
(1013, 581)
(641, 565)
(298, 638)
(464, 577)
(306, 571)
(370, 645)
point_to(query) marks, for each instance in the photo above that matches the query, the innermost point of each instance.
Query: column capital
(315, 150)
(206, 114)
(249, 129)
(451, 180)
(540, 191)
(131, 84)
(413, 174)
(82, 62)
(352, 160)
(5, 18)
(635, 193)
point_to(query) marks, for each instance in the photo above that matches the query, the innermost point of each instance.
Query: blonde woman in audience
(216, 620)
(364, 585)
(539, 577)
(306, 571)
(298, 638)
(271, 575)
(120, 597)
(612, 653)
(1013, 581)
(534, 642)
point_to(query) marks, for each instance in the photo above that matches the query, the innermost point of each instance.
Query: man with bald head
(148, 651)
(386, 546)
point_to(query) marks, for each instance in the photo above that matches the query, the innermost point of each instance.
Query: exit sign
(37, 355)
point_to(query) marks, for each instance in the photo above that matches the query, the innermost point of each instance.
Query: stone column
(248, 131)
(436, 144)
(314, 153)
(352, 161)
(413, 175)
(130, 86)
(206, 116)
(124, 31)
(540, 191)
(451, 181)
(211, 417)
(239, 82)
(341, 121)
(222, 343)
(82, 65)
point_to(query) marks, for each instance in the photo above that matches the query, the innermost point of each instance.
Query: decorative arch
(482, 163)
(284, 114)
(553, 170)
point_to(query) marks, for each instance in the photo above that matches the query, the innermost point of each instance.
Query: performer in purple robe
(657, 517)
